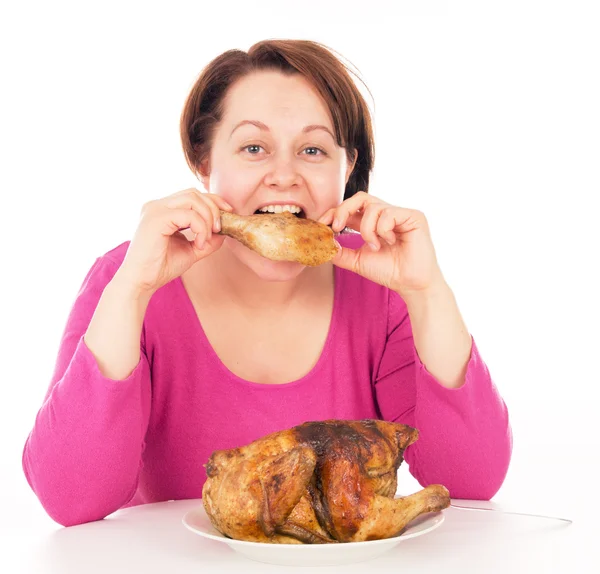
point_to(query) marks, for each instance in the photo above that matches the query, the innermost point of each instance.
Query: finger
(348, 208)
(368, 225)
(194, 202)
(183, 192)
(386, 225)
(217, 199)
(327, 217)
(180, 192)
(179, 219)
(215, 211)
(216, 204)
(347, 258)
(221, 203)
(406, 220)
(209, 246)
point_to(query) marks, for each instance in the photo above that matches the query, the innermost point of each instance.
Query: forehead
(270, 96)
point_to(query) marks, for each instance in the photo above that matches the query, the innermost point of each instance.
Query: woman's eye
(252, 149)
(313, 151)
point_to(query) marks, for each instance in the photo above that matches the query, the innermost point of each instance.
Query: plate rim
(438, 519)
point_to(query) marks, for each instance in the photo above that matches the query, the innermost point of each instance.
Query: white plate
(198, 522)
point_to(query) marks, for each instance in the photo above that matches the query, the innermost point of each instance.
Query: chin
(264, 268)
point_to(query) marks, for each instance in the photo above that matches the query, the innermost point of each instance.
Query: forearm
(82, 457)
(465, 439)
(440, 335)
(113, 335)
(83, 454)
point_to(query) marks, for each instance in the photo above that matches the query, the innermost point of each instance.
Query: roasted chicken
(282, 236)
(320, 482)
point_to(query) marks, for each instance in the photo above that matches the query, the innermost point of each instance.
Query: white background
(486, 118)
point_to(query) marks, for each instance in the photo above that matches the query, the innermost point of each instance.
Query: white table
(152, 538)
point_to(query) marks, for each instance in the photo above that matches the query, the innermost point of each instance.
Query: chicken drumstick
(282, 236)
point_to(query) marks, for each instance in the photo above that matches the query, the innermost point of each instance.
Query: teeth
(280, 208)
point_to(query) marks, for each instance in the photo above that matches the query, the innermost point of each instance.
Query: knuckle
(200, 205)
(203, 197)
(199, 221)
(210, 202)
(367, 229)
(386, 222)
(180, 193)
(387, 214)
(207, 211)
(147, 207)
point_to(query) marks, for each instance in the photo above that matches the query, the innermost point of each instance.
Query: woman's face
(275, 147)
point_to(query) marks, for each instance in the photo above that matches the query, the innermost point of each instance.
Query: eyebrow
(265, 128)
(256, 123)
(313, 127)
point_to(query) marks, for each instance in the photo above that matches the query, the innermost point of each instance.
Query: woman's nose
(283, 173)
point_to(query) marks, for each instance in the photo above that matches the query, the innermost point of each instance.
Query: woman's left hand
(398, 251)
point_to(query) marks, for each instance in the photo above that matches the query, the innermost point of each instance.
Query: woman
(182, 342)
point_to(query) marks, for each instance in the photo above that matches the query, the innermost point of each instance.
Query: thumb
(210, 246)
(347, 259)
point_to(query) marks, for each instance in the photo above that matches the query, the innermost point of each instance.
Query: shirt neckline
(325, 351)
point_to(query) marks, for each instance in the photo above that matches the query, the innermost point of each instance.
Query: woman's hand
(159, 252)
(398, 251)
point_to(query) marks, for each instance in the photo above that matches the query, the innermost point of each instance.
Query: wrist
(123, 285)
(436, 290)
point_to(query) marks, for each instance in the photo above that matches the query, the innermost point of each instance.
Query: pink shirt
(98, 445)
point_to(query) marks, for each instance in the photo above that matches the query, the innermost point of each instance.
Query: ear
(351, 164)
(204, 173)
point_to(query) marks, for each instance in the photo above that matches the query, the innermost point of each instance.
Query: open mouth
(293, 209)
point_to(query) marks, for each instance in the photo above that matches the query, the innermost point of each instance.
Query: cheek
(328, 186)
(233, 184)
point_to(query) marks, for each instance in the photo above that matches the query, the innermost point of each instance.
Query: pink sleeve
(82, 457)
(465, 439)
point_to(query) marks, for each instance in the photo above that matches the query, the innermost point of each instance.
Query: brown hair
(203, 109)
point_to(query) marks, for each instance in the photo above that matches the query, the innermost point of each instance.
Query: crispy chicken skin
(319, 482)
(282, 236)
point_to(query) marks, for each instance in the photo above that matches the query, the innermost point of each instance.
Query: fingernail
(217, 226)
(373, 246)
(335, 223)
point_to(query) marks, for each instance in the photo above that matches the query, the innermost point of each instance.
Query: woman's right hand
(159, 252)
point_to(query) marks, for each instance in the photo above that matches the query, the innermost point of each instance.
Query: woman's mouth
(295, 209)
